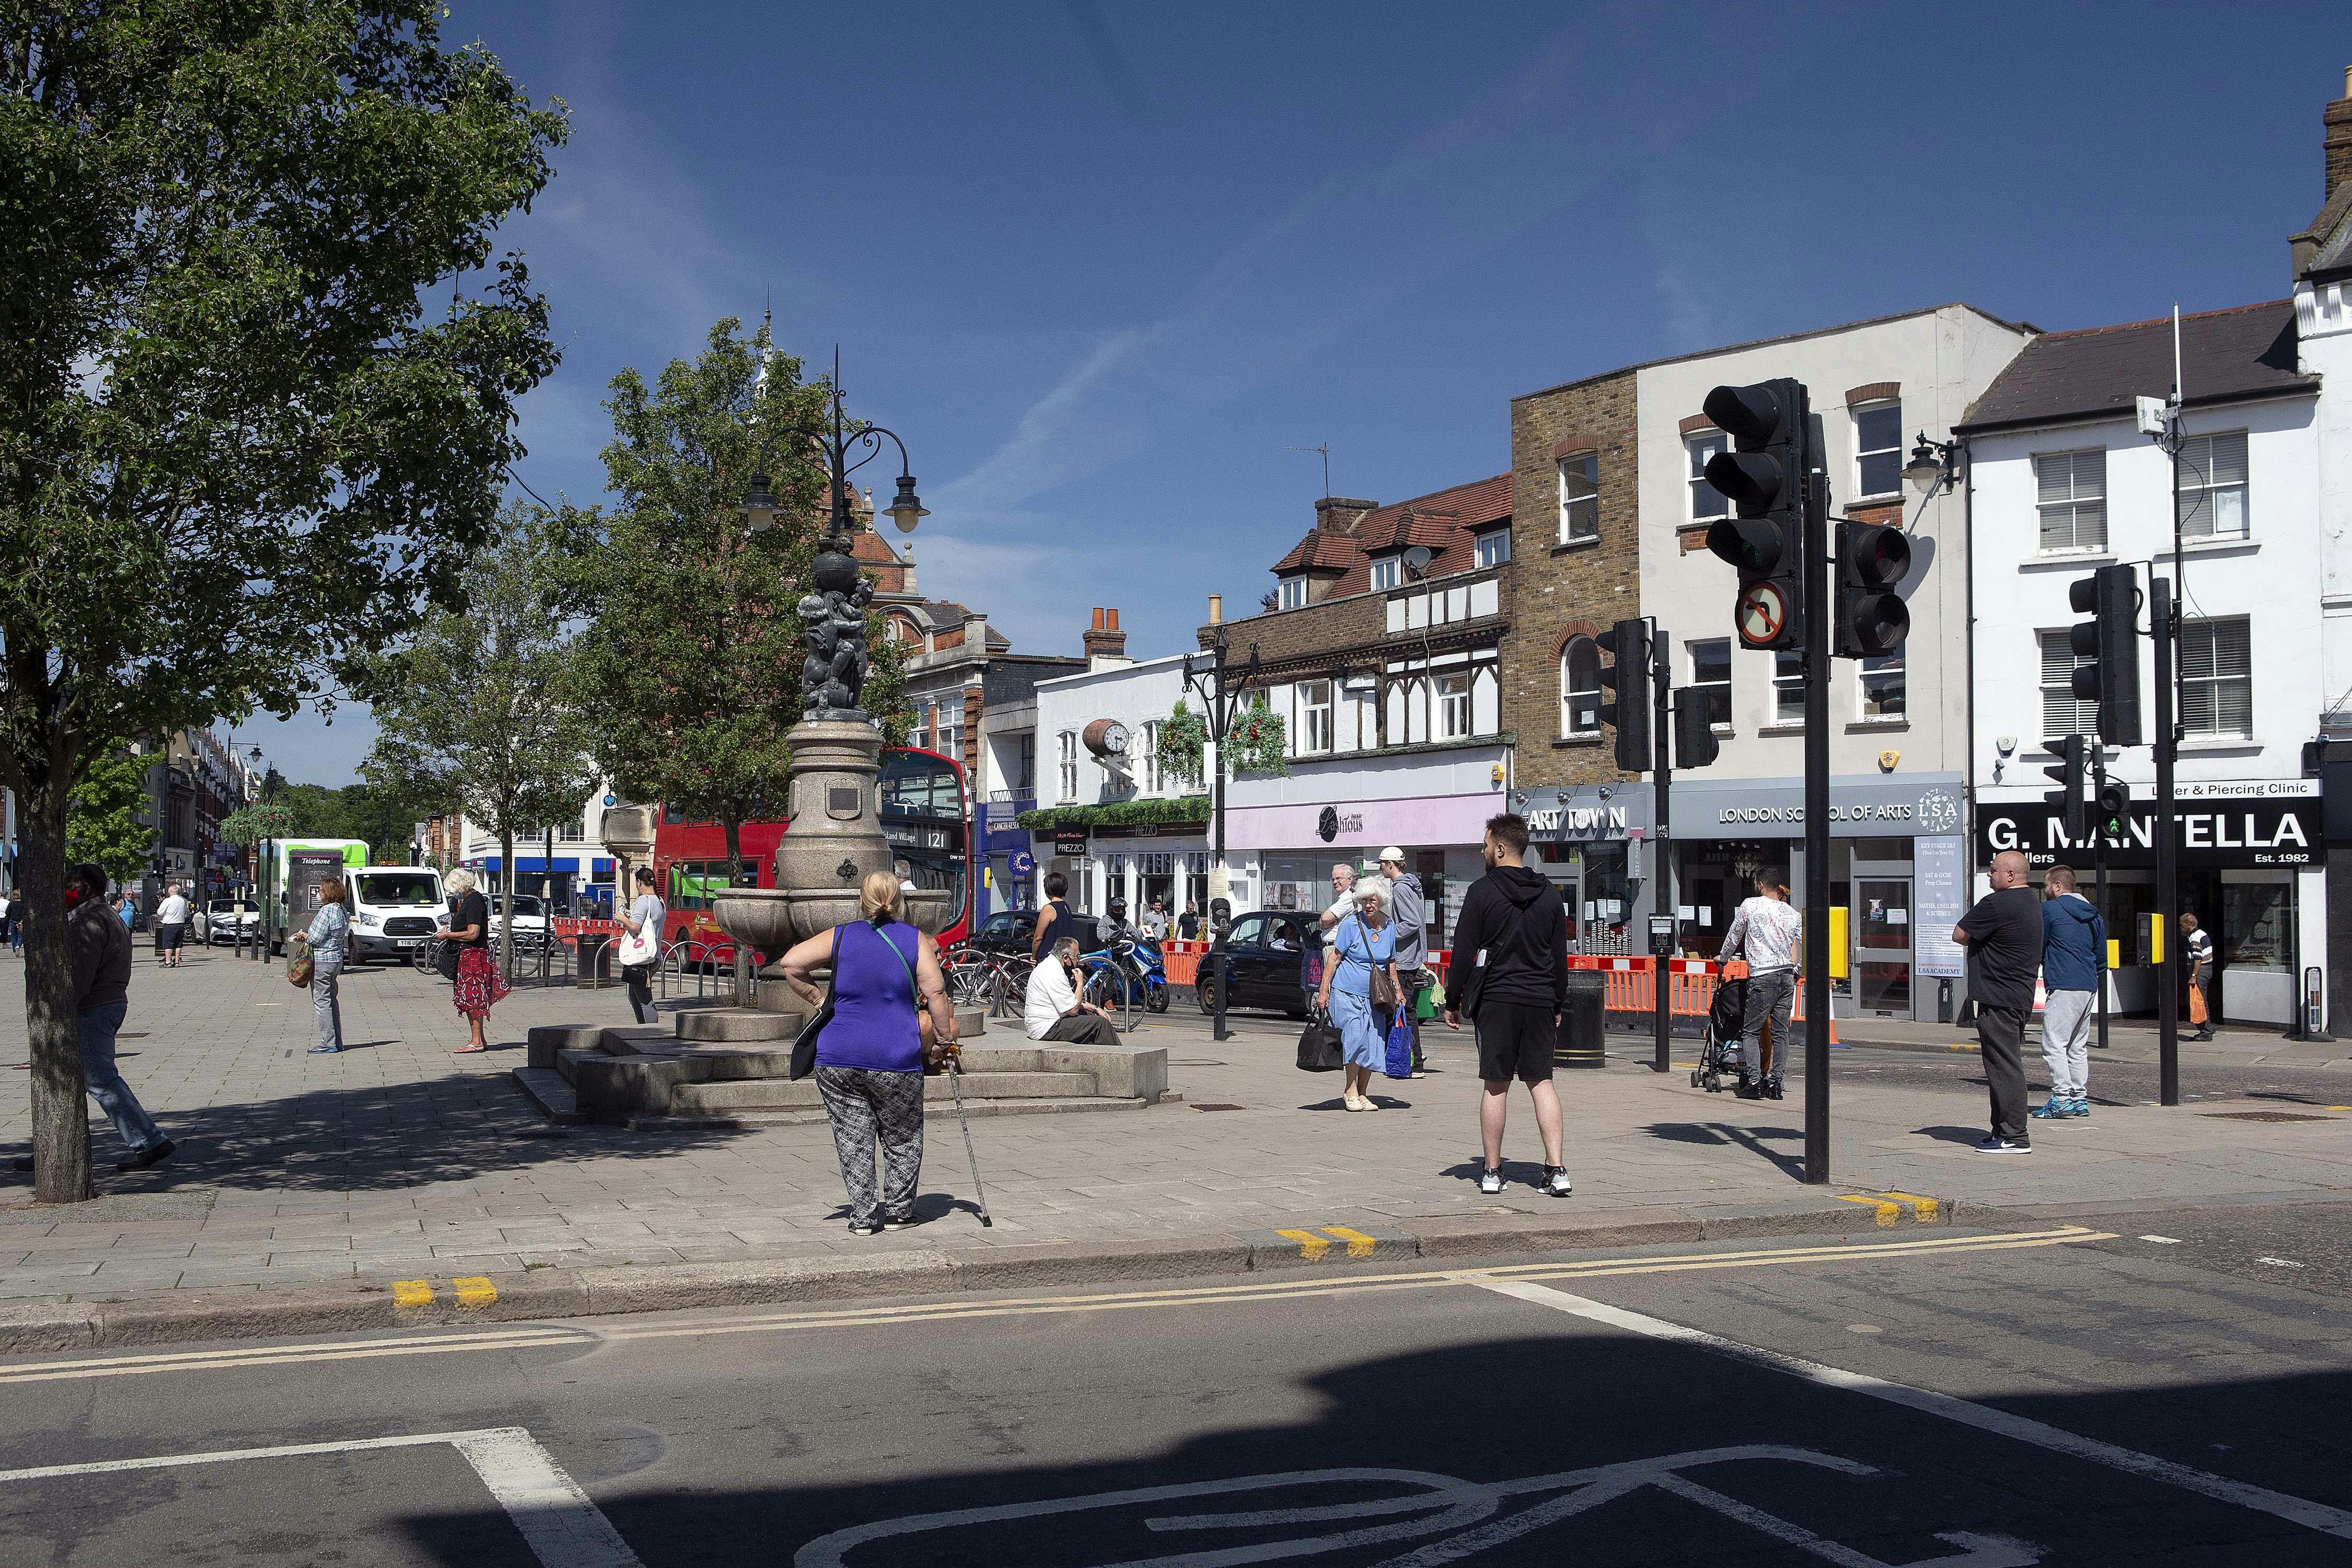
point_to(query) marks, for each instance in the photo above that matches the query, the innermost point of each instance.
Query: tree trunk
(60, 1108)
(506, 897)
(734, 827)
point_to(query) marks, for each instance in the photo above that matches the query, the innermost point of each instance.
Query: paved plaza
(397, 1159)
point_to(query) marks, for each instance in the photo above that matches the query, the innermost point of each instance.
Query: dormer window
(1387, 572)
(1494, 546)
(1294, 593)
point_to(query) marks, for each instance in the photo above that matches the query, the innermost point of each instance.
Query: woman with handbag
(1359, 990)
(641, 927)
(478, 985)
(870, 1053)
(329, 939)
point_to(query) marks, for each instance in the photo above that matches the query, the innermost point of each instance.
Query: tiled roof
(1443, 521)
(2248, 351)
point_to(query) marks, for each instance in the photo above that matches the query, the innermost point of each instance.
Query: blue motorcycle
(1125, 973)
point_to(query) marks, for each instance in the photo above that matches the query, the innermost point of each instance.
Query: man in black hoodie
(1509, 973)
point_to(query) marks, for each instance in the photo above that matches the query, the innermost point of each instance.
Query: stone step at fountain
(779, 1094)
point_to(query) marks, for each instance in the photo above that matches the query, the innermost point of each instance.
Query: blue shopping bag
(1399, 1062)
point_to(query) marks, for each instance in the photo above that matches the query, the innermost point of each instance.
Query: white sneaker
(1490, 1181)
(1555, 1183)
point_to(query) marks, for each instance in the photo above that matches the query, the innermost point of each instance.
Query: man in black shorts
(1509, 973)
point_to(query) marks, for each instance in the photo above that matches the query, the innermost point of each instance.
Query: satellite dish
(1417, 558)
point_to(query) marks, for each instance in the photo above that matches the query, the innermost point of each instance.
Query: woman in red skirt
(480, 986)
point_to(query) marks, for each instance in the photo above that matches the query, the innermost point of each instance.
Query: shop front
(1283, 834)
(1592, 840)
(2252, 858)
(1898, 865)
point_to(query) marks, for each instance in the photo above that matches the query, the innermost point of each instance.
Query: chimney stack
(2337, 140)
(1105, 645)
(1339, 514)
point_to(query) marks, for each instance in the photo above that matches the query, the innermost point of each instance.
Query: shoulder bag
(639, 947)
(298, 967)
(804, 1043)
(923, 1029)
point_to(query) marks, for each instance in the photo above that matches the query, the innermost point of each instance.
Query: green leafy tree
(694, 668)
(102, 824)
(234, 442)
(477, 706)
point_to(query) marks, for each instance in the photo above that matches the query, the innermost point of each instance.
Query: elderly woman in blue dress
(1364, 945)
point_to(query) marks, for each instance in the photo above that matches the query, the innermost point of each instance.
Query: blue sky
(1100, 265)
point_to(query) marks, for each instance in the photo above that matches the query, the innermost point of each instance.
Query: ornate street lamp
(1220, 687)
(1934, 465)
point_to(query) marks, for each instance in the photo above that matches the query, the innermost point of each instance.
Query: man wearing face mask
(98, 944)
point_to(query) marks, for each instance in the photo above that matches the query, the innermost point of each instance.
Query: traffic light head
(2110, 641)
(1695, 745)
(1627, 683)
(2072, 752)
(1873, 559)
(2115, 810)
(1764, 478)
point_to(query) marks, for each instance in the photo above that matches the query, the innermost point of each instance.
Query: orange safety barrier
(1182, 960)
(1631, 985)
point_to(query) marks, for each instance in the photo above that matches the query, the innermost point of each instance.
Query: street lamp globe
(906, 506)
(1926, 468)
(759, 506)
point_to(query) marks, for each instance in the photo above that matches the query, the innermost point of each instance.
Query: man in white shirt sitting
(1052, 1010)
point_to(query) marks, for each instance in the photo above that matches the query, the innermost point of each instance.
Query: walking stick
(955, 1079)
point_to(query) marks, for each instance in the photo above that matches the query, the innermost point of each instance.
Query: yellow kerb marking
(1359, 1244)
(1311, 1247)
(1887, 1213)
(475, 1291)
(1927, 1207)
(411, 1293)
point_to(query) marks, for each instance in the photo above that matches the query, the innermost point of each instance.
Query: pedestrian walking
(1155, 922)
(1054, 921)
(1188, 924)
(479, 986)
(8, 919)
(98, 949)
(1409, 911)
(170, 926)
(1359, 990)
(2003, 933)
(869, 1057)
(1051, 1009)
(645, 919)
(127, 908)
(2074, 950)
(1509, 977)
(329, 939)
(2197, 945)
(1765, 932)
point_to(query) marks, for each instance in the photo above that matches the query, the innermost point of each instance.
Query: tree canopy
(250, 419)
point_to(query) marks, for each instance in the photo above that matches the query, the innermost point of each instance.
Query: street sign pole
(2099, 864)
(1661, 740)
(2168, 871)
(1817, 618)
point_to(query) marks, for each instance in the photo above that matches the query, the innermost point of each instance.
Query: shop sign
(1069, 842)
(1775, 808)
(1939, 897)
(2266, 834)
(1585, 814)
(1156, 830)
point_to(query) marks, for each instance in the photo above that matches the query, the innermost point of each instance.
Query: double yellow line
(566, 1337)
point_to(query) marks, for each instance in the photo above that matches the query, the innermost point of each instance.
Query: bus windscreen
(923, 819)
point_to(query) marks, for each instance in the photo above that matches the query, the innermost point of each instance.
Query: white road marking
(564, 1528)
(274, 1355)
(2279, 1262)
(1467, 1514)
(2298, 1510)
(2163, 1240)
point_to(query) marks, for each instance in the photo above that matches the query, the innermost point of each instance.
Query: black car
(1012, 931)
(1265, 952)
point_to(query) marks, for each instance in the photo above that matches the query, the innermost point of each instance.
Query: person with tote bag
(641, 927)
(1360, 991)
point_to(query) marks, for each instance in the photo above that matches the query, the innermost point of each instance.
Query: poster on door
(1939, 872)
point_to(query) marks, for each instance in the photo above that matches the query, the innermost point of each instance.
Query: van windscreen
(418, 889)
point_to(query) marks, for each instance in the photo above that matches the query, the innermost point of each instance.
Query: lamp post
(1220, 687)
(267, 853)
(838, 438)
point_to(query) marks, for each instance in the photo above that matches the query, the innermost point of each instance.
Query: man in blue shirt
(2074, 950)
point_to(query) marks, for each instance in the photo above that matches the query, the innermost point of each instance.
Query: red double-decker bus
(926, 816)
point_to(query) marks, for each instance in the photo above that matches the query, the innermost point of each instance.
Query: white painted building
(2062, 482)
(1898, 730)
(1098, 743)
(579, 866)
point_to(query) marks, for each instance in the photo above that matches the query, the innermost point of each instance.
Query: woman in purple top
(869, 1057)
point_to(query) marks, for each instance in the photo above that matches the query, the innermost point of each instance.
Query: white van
(393, 908)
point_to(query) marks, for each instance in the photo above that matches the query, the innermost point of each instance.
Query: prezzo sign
(2242, 831)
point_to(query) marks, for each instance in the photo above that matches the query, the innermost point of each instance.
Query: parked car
(218, 922)
(1266, 955)
(529, 919)
(1006, 931)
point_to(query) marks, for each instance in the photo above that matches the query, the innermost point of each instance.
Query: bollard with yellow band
(1838, 965)
(2156, 939)
(2115, 953)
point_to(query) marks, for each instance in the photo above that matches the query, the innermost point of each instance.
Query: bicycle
(426, 954)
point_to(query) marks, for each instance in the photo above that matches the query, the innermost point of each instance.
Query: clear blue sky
(1101, 264)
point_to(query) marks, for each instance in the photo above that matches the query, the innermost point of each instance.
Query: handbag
(299, 968)
(804, 1043)
(1399, 1062)
(1320, 1049)
(639, 947)
(1383, 994)
(446, 961)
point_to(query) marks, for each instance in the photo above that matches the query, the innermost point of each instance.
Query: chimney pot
(1216, 609)
(1105, 645)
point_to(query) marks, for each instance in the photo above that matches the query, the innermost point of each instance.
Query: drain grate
(1216, 1108)
(2263, 1116)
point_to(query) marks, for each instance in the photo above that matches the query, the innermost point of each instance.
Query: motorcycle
(1127, 969)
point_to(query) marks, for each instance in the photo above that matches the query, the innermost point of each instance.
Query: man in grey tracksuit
(1408, 913)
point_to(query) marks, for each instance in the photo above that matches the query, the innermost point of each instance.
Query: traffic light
(2069, 792)
(1872, 559)
(1695, 744)
(1627, 681)
(1764, 478)
(2115, 810)
(2109, 640)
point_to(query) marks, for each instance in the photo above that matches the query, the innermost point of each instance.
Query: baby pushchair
(1726, 1016)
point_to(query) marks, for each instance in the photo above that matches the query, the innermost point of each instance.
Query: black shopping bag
(1319, 1046)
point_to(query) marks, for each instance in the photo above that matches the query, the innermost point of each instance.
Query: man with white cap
(1409, 914)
